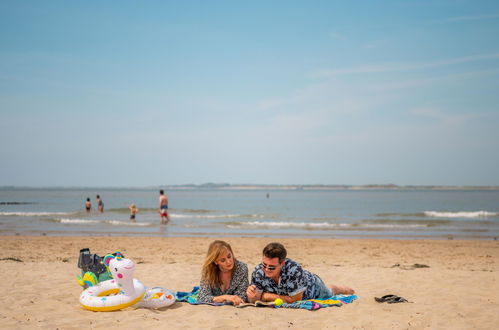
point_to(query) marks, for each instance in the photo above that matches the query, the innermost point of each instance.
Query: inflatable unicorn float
(122, 290)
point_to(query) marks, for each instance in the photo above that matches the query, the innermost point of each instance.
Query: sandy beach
(458, 290)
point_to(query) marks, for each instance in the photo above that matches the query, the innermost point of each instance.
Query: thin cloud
(404, 67)
(444, 117)
(469, 18)
(337, 36)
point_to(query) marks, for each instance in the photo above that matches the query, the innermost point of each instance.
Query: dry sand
(459, 289)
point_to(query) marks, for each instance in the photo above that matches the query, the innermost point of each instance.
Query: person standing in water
(100, 204)
(163, 208)
(133, 212)
(88, 205)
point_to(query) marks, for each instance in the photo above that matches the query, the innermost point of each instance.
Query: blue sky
(129, 93)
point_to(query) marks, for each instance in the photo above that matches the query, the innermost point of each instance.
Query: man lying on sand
(281, 277)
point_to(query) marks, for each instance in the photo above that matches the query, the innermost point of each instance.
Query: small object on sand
(278, 302)
(391, 299)
(12, 259)
(421, 266)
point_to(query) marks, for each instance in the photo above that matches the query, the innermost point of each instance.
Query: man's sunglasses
(264, 265)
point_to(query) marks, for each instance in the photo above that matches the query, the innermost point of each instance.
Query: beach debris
(421, 266)
(12, 259)
(410, 267)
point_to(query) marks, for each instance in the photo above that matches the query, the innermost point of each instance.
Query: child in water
(133, 211)
(88, 205)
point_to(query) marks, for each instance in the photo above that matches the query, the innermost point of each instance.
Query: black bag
(89, 262)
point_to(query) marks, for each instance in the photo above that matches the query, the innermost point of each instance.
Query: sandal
(391, 299)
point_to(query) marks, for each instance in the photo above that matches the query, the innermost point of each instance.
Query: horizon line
(254, 185)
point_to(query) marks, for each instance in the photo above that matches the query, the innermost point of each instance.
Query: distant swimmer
(88, 205)
(133, 212)
(100, 204)
(163, 208)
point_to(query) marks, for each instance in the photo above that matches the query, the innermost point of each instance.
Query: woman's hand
(236, 300)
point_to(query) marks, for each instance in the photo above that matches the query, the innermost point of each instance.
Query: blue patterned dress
(238, 285)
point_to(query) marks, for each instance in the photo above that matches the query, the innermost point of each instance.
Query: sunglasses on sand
(268, 267)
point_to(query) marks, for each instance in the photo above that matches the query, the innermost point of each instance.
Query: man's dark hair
(275, 250)
(161, 192)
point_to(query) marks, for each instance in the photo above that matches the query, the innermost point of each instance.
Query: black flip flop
(396, 300)
(391, 299)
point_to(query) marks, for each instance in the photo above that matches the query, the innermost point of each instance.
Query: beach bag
(91, 262)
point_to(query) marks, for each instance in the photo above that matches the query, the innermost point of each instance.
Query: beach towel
(311, 304)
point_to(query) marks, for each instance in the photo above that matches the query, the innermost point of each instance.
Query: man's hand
(253, 293)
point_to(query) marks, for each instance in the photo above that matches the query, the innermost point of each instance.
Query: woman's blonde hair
(211, 273)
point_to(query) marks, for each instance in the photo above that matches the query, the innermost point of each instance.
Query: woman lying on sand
(223, 278)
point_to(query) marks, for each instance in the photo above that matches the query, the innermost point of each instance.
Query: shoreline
(326, 236)
(41, 289)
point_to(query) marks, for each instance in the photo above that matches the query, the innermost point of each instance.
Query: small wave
(287, 224)
(128, 223)
(196, 211)
(462, 214)
(110, 222)
(403, 215)
(404, 222)
(77, 221)
(34, 214)
(219, 216)
(322, 225)
(16, 203)
(127, 210)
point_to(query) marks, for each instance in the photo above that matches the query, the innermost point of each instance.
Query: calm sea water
(472, 214)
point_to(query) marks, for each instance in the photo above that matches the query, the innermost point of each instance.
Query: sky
(148, 93)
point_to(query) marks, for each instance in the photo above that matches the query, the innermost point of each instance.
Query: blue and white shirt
(292, 281)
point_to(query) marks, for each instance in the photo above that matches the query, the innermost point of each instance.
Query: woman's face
(226, 261)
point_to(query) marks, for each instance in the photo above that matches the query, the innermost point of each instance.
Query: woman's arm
(240, 281)
(205, 293)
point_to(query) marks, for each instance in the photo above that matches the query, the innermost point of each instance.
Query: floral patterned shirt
(238, 285)
(293, 280)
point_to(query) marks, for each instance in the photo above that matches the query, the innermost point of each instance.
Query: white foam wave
(288, 224)
(34, 214)
(217, 216)
(110, 222)
(127, 223)
(462, 214)
(321, 225)
(78, 221)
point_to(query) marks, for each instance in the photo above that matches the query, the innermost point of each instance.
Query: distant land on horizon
(228, 186)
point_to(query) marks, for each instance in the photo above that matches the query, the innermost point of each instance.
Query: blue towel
(311, 304)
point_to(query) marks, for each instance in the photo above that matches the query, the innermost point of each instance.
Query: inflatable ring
(107, 296)
(120, 292)
(157, 297)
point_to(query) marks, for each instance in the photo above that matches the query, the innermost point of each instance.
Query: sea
(255, 212)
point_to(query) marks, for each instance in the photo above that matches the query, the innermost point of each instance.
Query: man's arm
(267, 296)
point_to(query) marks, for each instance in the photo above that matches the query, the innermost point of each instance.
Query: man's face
(271, 266)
